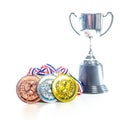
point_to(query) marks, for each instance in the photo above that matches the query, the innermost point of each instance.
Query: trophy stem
(90, 55)
(90, 47)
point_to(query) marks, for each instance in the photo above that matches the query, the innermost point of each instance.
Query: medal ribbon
(49, 69)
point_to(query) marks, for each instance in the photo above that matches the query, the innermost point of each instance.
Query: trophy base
(94, 89)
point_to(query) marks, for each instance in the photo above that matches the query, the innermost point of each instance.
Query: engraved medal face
(27, 89)
(64, 88)
(44, 89)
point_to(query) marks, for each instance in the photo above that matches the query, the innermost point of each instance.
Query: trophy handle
(110, 23)
(72, 13)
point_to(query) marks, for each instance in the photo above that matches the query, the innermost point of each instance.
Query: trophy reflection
(91, 72)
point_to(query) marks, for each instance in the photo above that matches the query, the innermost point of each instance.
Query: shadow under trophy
(91, 72)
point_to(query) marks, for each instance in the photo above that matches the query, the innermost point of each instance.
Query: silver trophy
(91, 72)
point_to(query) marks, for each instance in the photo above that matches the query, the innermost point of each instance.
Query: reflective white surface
(33, 33)
(102, 106)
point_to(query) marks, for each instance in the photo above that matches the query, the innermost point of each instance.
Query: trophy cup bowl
(91, 72)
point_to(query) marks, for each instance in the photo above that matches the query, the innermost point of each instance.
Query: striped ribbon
(49, 69)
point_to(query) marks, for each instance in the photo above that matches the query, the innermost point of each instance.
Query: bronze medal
(27, 89)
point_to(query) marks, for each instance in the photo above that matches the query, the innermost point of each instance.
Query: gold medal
(64, 88)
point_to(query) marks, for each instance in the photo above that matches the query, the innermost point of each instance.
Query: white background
(36, 32)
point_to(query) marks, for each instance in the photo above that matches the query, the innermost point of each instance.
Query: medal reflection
(91, 71)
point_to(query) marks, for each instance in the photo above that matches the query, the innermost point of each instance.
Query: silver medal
(44, 89)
